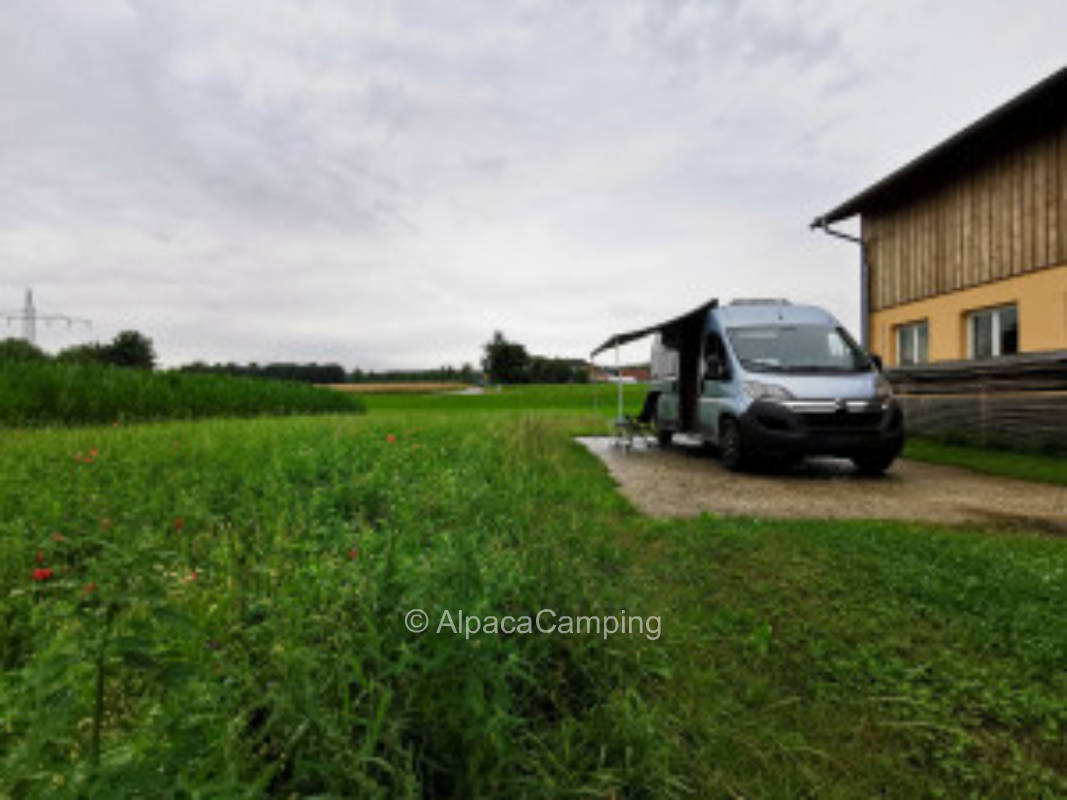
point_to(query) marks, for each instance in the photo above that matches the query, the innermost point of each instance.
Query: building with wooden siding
(964, 249)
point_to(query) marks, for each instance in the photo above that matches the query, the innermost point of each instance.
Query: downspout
(865, 282)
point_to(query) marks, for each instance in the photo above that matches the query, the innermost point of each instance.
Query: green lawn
(1012, 464)
(580, 398)
(224, 617)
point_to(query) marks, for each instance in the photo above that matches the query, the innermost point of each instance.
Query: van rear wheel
(731, 445)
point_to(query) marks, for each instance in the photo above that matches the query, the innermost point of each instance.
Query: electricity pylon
(29, 316)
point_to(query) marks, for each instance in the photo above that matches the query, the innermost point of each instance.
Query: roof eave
(1018, 108)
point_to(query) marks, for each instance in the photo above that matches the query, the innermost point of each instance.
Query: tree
(89, 353)
(20, 350)
(131, 349)
(506, 362)
(557, 370)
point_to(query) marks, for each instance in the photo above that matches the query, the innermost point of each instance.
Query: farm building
(630, 374)
(964, 268)
(965, 247)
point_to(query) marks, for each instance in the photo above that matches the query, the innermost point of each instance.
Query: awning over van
(669, 329)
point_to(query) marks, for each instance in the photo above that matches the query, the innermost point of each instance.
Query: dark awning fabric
(665, 327)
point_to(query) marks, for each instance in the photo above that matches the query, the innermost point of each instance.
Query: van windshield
(797, 348)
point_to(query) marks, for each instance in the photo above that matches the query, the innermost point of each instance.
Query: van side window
(715, 364)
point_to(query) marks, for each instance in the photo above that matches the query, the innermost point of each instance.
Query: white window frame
(912, 329)
(994, 314)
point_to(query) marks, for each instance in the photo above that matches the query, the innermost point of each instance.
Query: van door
(715, 386)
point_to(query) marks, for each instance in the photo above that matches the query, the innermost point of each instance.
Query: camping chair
(628, 426)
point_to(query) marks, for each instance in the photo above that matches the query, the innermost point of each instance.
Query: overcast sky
(383, 184)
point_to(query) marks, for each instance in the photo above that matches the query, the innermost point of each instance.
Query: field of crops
(217, 609)
(50, 393)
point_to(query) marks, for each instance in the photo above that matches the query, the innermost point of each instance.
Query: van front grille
(843, 421)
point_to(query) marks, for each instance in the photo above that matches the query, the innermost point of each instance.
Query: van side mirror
(877, 361)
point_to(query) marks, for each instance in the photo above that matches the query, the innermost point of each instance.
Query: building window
(912, 344)
(993, 332)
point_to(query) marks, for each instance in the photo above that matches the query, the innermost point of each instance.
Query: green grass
(50, 393)
(819, 659)
(1026, 466)
(796, 659)
(284, 653)
(583, 398)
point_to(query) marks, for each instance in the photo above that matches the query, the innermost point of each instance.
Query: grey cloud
(385, 183)
(693, 33)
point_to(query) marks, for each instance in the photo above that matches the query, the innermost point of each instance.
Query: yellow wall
(1040, 296)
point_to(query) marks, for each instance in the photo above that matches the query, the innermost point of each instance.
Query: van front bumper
(823, 427)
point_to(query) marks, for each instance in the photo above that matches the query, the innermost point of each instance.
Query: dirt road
(684, 481)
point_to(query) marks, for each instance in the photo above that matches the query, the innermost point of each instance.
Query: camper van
(767, 381)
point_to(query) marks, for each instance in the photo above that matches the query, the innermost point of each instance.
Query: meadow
(216, 609)
(593, 400)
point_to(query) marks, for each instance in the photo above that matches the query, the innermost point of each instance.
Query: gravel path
(683, 480)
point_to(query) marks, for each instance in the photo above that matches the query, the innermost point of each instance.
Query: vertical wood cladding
(1003, 214)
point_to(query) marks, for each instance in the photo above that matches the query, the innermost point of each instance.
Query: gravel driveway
(684, 480)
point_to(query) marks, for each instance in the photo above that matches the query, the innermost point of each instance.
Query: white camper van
(767, 380)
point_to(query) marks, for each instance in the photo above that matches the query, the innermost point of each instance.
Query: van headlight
(883, 389)
(758, 390)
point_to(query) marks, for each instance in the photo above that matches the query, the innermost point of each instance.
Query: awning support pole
(596, 392)
(618, 380)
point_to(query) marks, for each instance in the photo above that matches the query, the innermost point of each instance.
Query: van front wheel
(873, 464)
(731, 445)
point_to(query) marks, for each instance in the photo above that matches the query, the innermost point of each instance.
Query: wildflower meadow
(220, 609)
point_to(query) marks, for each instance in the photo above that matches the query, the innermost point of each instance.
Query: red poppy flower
(77, 456)
(93, 452)
(390, 438)
(353, 554)
(57, 536)
(42, 574)
(179, 523)
(89, 588)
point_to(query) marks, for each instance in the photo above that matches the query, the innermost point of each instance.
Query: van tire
(664, 436)
(731, 445)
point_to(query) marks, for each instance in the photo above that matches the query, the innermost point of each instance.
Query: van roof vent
(759, 301)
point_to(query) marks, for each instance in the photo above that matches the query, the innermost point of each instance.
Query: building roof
(1036, 109)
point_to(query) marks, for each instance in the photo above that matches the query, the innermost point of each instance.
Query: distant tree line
(127, 349)
(278, 371)
(334, 373)
(464, 374)
(503, 362)
(508, 362)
